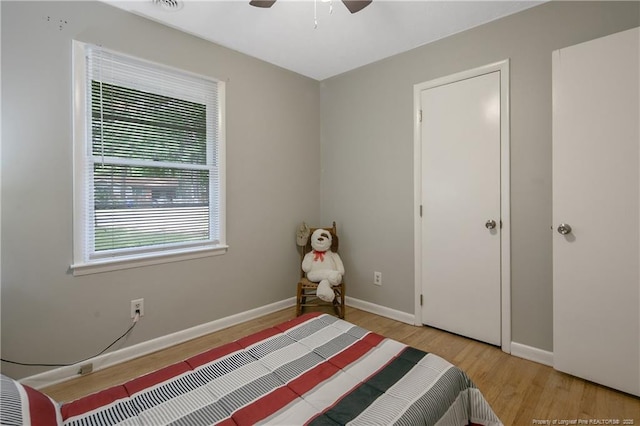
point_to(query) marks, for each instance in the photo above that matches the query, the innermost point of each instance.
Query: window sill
(107, 265)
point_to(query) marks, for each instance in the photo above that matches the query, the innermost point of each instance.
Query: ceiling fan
(353, 5)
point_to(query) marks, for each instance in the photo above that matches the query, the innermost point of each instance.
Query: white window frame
(83, 263)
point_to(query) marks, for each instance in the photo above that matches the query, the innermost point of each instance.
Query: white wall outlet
(137, 305)
(377, 278)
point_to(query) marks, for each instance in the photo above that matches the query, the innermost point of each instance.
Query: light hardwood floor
(520, 392)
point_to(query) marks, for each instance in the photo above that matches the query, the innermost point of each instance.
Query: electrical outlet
(377, 278)
(137, 305)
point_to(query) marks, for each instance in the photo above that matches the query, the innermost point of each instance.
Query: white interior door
(460, 227)
(596, 190)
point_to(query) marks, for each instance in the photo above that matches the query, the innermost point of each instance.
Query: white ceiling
(284, 35)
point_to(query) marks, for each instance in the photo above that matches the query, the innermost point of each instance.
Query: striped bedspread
(315, 369)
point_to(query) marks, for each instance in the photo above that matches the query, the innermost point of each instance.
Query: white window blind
(150, 164)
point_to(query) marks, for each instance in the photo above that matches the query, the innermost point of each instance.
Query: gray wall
(367, 153)
(273, 121)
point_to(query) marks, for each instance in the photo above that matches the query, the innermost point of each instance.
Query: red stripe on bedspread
(356, 351)
(373, 339)
(313, 378)
(213, 354)
(159, 376)
(42, 410)
(227, 422)
(94, 401)
(264, 407)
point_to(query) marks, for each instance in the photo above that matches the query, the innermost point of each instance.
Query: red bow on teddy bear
(318, 255)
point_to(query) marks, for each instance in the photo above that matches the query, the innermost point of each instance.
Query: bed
(315, 369)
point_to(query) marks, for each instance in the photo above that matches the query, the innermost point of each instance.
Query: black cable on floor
(29, 364)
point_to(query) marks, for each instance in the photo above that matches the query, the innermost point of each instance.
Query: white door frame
(505, 240)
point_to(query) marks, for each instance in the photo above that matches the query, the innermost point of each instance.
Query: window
(149, 162)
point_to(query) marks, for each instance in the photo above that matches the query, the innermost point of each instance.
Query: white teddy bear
(322, 265)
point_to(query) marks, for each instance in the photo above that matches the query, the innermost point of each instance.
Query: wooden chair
(306, 294)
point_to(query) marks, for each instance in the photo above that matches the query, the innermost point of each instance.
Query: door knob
(490, 224)
(564, 229)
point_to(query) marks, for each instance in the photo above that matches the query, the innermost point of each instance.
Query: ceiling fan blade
(262, 3)
(356, 5)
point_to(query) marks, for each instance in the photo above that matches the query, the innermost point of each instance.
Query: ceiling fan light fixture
(170, 5)
(353, 5)
(262, 3)
(356, 5)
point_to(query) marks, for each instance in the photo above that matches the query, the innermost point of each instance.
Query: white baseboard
(532, 354)
(517, 349)
(62, 374)
(383, 311)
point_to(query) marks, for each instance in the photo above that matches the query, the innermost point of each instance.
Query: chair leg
(336, 306)
(338, 303)
(299, 301)
(342, 308)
